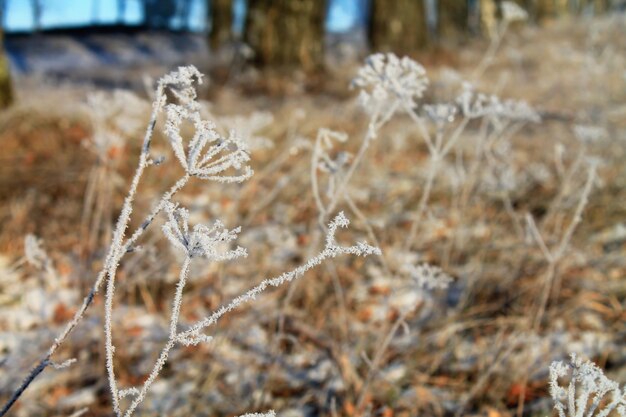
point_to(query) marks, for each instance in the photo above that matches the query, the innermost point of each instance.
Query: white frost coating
(587, 388)
(270, 413)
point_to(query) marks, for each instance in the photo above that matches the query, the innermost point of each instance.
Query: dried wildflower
(429, 277)
(208, 155)
(517, 110)
(440, 114)
(588, 388)
(182, 85)
(387, 81)
(473, 105)
(590, 134)
(512, 12)
(202, 241)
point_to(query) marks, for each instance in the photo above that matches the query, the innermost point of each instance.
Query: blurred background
(105, 42)
(77, 81)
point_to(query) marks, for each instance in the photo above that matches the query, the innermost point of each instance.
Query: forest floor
(307, 349)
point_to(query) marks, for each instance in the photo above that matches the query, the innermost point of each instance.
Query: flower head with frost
(201, 241)
(182, 84)
(387, 81)
(587, 390)
(476, 105)
(429, 277)
(473, 105)
(207, 155)
(326, 143)
(440, 114)
(512, 12)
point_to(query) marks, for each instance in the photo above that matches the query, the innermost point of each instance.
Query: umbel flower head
(512, 12)
(476, 105)
(207, 155)
(587, 390)
(201, 241)
(386, 81)
(428, 276)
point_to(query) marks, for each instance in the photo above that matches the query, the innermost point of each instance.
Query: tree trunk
(221, 15)
(6, 89)
(287, 33)
(398, 26)
(453, 18)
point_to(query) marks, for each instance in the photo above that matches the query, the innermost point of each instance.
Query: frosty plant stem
(206, 155)
(554, 255)
(193, 335)
(114, 255)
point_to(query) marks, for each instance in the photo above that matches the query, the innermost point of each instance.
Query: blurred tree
(453, 18)
(6, 89)
(287, 33)
(221, 16)
(398, 26)
(184, 13)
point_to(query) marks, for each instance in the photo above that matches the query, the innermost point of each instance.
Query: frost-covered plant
(387, 82)
(428, 276)
(589, 392)
(205, 155)
(554, 253)
(510, 13)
